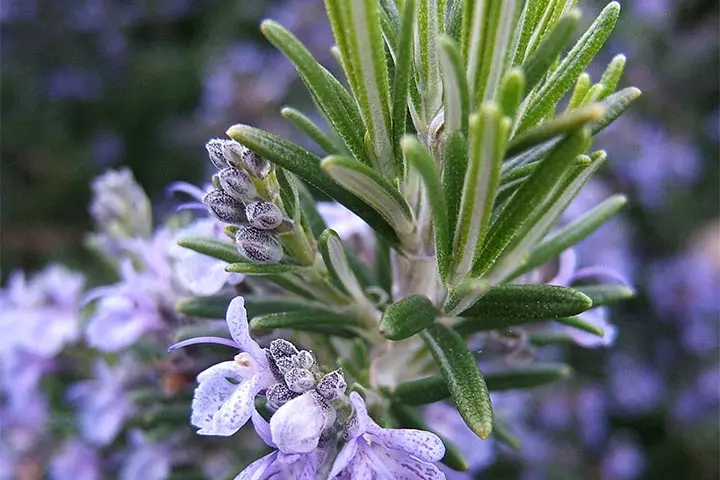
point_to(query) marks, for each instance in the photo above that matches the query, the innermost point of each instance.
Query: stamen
(194, 341)
(188, 188)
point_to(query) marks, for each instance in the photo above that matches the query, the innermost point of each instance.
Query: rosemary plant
(460, 133)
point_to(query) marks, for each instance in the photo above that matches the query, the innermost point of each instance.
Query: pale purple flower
(102, 403)
(75, 460)
(297, 425)
(197, 273)
(225, 397)
(145, 460)
(279, 464)
(375, 452)
(120, 206)
(343, 221)
(40, 315)
(124, 311)
(636, 386)
(624, 459)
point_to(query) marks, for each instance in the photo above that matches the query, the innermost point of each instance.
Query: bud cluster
(235, 200)
(297, 373)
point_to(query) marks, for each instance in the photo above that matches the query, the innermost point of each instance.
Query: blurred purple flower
(624, 459)
(75, 460)
(145, 460)
(102, 404)
(70, 83)
(636, 387)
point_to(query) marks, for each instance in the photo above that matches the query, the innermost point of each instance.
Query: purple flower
(75, 460)
(297, 425)
(372, 451)
(279, 464)
(225, 397)
(102, 403)
(124, 312)
(145, 461)
(120, 206)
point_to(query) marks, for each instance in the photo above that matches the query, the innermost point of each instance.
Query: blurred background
(88, 85)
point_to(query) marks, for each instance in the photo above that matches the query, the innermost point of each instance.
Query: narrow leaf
(488, 134)
(581, 324)
(582, 85)
(263, 268)
(304, 319)
(512, 91)
(611, 77)
(307, 166)
(531, 194)
(427, 29)
(561, 125)
(615, 105)
(574, 63)
(605, 294)
(457, 97)
(503, 435)
(464, 381)
(574, 232)
(407, 317)
(310, 129)
(453, 177)
(401, 81)
(423, 161)
(540, 62)
(214, 306)
(373, 189)
(333, 253)
(499, 34)
(211, 247)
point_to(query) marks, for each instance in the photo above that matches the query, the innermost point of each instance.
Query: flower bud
(332, 386)
(258, 246)
(255, 164)
(278, 395)
(304, 359)
(264, 215)
(299, 380)
(216, 151)
(281, 348)
(224, 207)
(237, 184)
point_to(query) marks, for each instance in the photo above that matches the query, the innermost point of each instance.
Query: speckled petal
(344, 458)
(262, 428)
(359, 423)
(240, 330)
(235, 412)
(259, 469)
(297, 425)
(214, 390)
(402, 466)
(421, 444)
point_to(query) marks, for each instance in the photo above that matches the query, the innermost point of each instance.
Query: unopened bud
(278, 395)
(304, 359)
(224, 207)
(216, 151)
(281, 348)
(332, 386)
(299, 380)
(237, 184)
(255, 164)
(264, 215)
(259, 246)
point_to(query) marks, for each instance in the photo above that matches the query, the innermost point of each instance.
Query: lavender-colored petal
(600, 271)
(240, 330)
(191, 206)
(199, 340)
(344, 458)
(188, 188)
(259, 469)
(359, 423)
(599, 318)
(297, 425)
(200, 274)
(421, 444)
(214, 390)
(236, 411)
(567, 263)
(262, 428)
(402, 465)
(118, 325)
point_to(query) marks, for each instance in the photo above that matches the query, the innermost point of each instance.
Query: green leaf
(606, 294)
(213, 306)
(333, 252)
(383, 266)
(502, 17)
(560, 125)
(310, 319)
(472, 46)
(457, 97)
(330, 96)
(407, 317)
(423, 161)
(289, 194)
(488, 134)
(307, 166)
(615, 105)
(371, 83)
(453, 177)
(408, 417)
(540, 62)
(574, 63)
(544, 217)
(504, 435)
(511, 92)
(529, 19)
(573, 233)
(263, 268)
(593, 95)
(580, 324)
(401, 80)
(464, 381)
(582, 85)
(427, 69)
(373, 189)
(530, 195)
(434, 388)
(310, 129)
(504, 306)
(611, 77)
(211, 247)
(453, 26)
